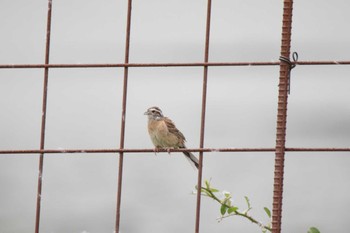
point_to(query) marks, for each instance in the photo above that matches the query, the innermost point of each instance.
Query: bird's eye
(153, 111)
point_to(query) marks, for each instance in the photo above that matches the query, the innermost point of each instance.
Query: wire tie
(292, 65)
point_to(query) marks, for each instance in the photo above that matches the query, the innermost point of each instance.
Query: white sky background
(84, 109)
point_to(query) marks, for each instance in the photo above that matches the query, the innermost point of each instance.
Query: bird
(165, 135)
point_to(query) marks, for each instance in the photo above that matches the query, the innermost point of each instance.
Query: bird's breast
(160, 135)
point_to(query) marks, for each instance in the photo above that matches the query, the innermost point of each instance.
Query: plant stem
(210, 194)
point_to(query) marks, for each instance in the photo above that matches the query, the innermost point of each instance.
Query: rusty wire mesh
(280, 148)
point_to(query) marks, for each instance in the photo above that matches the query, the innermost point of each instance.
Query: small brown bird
(165, 135)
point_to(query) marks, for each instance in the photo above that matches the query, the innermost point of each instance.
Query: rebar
(43, 117)
(204, 104)
(282, 117)
(175, 64)
(147, 150)
(123, 118)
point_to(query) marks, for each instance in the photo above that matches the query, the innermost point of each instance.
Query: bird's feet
(156, 150)
(168, 149)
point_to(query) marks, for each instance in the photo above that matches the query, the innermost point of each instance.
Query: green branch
(228, 210)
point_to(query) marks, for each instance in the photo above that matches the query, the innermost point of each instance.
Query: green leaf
(214, 190)
(208, 192)
(223, 209)
(268, 212)
(248, 202)
(207, 184)
(313, 230)
(227, 195)
(232, 209)
(205, 193)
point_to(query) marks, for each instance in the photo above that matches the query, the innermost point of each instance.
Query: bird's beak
(146, 113)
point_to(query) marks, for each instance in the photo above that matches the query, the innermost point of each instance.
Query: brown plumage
(164, 133)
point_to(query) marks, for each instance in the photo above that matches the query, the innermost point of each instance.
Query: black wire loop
(291, 64)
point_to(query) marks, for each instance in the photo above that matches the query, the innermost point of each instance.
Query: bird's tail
(191, 158)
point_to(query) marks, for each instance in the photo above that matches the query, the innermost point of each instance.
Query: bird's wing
(173, 130)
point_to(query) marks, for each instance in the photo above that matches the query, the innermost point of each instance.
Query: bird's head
(154, 113)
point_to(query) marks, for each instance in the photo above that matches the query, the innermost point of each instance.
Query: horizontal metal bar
(68, 151)
(193, 64)
(321, 63)
(317, 149)
(57, 151)
(113, 65)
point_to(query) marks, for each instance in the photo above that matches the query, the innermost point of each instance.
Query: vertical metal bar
(43, 117)
(204, 103)
(282, 117)
(122, 130)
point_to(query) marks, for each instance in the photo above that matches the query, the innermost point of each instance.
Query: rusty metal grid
(279, 149)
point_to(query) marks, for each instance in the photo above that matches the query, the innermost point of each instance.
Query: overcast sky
(84, 111)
